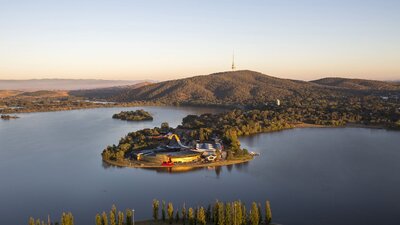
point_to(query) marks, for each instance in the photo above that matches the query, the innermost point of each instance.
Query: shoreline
(135, 164)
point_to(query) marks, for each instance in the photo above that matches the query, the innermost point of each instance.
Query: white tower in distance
(233, 61)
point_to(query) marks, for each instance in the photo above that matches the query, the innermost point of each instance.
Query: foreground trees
(66, 219)
(229, 213)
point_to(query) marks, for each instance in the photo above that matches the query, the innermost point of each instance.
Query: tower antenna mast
(233, 60)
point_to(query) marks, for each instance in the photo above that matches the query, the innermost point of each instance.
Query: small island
(8, 117)
(138, 115)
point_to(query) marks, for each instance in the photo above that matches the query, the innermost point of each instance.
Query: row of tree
(229, 213)
(66, 219)
(115, 217)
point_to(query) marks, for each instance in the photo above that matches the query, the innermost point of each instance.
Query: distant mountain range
(62, 84)
(246, 86)
(228, 88)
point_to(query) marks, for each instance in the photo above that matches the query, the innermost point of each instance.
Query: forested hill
(235, 87)
(106, 93)
(358, 84)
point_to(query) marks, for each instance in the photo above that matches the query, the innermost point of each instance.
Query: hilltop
(224, 87)
(239, 87)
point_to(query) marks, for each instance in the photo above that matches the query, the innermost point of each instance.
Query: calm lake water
(50, 162)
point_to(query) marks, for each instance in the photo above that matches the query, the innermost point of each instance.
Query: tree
(120, 218)
(177, 216)
(31, 221)
(98, 219)
(259, 213)
(191, 216)
(201, 217)
(215, 213)
(244, 214)
(170, 210)
(114, 211)
(221, 214)
(113, 219)
(268, 213)
(163, 211)
(228, 214)
(67, 219)
(184, 216)
(237, 209)
(156, 205)
(254, 218)
(129, 217)
(208, 213)
(104, 219)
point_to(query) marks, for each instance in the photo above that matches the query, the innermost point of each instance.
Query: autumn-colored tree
(228, 214)
(98, 219)
(254, 216)
(170, 210)
(191, 216)
(268, 213)
(120, 218)
(156, 205)
(201, 217)
(184, 216)
(221, 214)
(104, 218)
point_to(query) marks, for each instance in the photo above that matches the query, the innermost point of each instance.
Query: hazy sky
(167, 39)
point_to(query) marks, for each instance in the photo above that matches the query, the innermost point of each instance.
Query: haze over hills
(104, 93)
(62, 84)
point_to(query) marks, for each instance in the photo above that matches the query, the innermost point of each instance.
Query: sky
(169, 39)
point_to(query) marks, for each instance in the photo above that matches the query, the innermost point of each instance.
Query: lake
(50, 163)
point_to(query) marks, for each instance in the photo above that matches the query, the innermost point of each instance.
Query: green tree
(259, 213)
(201, 217)
(170, 210)
(98, 219)
(156, 205)
(268, 213)
(177, 216)
(254, 217)
(163, 211)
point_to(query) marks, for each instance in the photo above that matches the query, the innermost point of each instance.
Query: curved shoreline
(135, 164)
